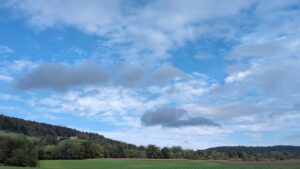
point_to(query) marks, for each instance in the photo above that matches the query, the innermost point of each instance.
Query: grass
(140, 164)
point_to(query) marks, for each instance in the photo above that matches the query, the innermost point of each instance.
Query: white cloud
(16, 66)
(21, 65)
(236, 77)
(189, 137)
(77, 51)
(119, 106)
(5, 49)
(4, 96)
(184, 89)
(151, 29)
(7, 108)
(203, 56)
(268, 76)
(273, 47)
(5, 78)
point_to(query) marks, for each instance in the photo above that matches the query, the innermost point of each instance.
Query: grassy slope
(138, 164)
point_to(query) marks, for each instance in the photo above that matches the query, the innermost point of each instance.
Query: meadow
(142, 164)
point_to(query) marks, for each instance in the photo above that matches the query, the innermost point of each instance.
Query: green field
(140, 164)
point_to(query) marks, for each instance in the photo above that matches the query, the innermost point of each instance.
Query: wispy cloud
(6, 78)
(147, 29)
(5, 49)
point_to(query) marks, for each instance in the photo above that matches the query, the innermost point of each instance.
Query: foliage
(153, 151)
(18, 151)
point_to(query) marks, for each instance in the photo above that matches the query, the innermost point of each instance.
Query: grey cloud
(273, 66)
(197, 121)
(165, 73)
(132, 75)
(279, 76)
(162, 116)
(279, 79)
(60, 77)
(296, 106)
(173, 117)
(265, 49)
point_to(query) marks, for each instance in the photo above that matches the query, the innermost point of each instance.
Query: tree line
(37, 141)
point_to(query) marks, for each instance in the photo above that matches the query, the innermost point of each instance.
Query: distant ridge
(55, 135)
(293, 150)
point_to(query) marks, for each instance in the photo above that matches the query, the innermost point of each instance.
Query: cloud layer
(237, 63)
(58, 76)
(61, 77)
(145, 30)
(173, 117)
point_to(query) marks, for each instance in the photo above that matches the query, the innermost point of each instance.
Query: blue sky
(192, 73)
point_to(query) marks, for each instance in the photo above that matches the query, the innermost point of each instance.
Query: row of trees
(72, 149)
(22, 151)
(235, 153)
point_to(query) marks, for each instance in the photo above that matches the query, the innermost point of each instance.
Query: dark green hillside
(51, 134)
(256, 153)
(23, 142)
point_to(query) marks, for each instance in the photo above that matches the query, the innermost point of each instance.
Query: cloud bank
(60, 77)
(56, 76)
(173, 117)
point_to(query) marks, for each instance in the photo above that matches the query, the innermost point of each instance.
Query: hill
(279, 152)
(23, 142)
(295, 150)
(35, 129)
(50, 134)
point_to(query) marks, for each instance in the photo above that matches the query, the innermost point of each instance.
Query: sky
(193, 73)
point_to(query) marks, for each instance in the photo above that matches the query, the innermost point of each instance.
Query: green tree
(166, 152)
(48, 152)
(97, 151)
(190, 154)
(67, 150)
(177, 151)
(153, 151)
(17, 151)
(141, 152)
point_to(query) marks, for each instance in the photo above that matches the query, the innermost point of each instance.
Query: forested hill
(31, 141)
(52, 132)
(35, 129)
(285, 149)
